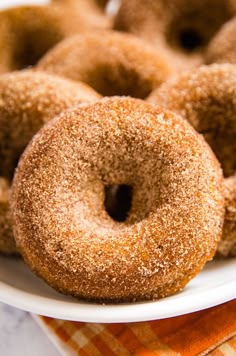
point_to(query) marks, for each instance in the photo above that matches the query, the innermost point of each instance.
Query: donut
(206, 97)
(111, 63)
(7, 242)
(221, 49)
(28, 32)
(227, 246)
(181, 28)
(166, 170)
(27, 101)
(102, 3)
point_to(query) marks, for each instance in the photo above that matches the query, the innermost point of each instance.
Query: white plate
(216, 284)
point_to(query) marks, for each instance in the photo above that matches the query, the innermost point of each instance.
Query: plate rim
(98, 313)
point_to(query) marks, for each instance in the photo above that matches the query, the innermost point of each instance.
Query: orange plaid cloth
(207, 332)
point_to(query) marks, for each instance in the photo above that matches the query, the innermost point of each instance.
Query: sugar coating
(110, 62)
(162, 23)
(206, 97)
(28, 32)
(227, 245)
(7, 242)
(27, 101)
(63, 230)
(222, 47)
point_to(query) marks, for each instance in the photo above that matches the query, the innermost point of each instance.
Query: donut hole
(120, 80)
(27, 56)
(118, 201)
(32, 48)
(190, 29)
(26, 59)
(190, 39)
(10, 157)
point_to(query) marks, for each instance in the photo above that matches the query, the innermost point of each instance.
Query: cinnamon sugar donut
(28, 32)
(112, 63)
(222, 47)
(7, 242)
(227, 246)
(175, 216)
(206, 97)
(181, 28)
(27, 101)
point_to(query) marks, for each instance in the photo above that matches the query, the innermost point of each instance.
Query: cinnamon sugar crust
(63, 230)
(221, 49)
(206, 97)
(7, 242)
(182, 29)
(27, 101)
(110, 62)
(28, 32)
(227, 245)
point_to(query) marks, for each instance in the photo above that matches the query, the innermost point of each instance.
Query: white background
(8, 3)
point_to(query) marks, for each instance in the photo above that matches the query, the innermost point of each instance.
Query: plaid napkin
(207, 332)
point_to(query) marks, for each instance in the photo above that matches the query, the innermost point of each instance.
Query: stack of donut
(117, 143)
